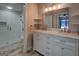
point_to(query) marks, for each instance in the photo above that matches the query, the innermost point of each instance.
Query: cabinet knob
(63, 41)
(62, 48)
(48, 48)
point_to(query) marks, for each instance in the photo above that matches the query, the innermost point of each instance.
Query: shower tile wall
(12, 32)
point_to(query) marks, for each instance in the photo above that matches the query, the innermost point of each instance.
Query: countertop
(58, 33)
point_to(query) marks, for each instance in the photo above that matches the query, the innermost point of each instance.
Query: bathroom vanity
(51, 43)
(58, 42)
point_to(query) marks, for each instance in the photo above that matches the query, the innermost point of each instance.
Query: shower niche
(4, 26)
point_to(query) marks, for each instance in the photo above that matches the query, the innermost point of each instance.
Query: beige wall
(31, 12)
(73, 7)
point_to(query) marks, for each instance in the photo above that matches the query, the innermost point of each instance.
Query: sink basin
(54, 29)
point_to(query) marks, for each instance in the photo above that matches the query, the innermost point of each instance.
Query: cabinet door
(36, 42)
(56, 51)
(68, 52)
(41, 43)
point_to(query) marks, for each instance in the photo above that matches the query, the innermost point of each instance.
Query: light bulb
(59, 6)
(50, 8)
(46, 10)
(54, 7)
(9, 7)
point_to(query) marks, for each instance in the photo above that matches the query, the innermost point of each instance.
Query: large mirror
(57, 18)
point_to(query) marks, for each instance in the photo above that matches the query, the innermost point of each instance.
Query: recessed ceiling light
(9, 7)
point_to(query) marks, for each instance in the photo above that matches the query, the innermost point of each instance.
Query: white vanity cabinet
(38, 43)
(68, 51)
(53, 45)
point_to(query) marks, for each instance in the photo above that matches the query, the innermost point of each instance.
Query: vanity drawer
(63, 40)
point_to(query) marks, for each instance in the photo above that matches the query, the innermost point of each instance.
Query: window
(63, 21)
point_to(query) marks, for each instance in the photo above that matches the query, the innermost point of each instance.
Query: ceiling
(15, 6)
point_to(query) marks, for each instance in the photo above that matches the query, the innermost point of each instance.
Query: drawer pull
(62, 48)
(62, 41)
(47, 48)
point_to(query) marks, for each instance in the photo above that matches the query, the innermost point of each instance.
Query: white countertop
(64, 34)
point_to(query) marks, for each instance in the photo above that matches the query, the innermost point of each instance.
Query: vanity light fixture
(54, 7)
(8, 7)
(50, 9)
(46, 10)
(59, 6)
